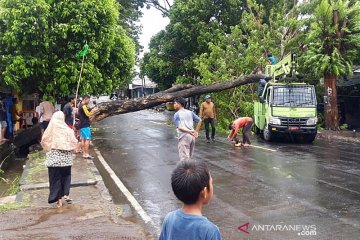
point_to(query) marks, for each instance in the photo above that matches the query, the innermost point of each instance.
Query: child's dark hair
(230, 126)
(180, 100)
(188, 179)
(71, 97)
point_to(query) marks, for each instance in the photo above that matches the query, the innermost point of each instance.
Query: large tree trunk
(331, 106)
(108, 109)
(27, 137)
(31, 135)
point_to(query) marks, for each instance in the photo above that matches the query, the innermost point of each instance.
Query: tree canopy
(212, 41)
(40, 39)
(333, 44)
(215, 41)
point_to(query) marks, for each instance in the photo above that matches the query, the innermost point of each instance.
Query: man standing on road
(245, 123)
(85, 131)
(184, 120)
(68, 111)
(207, 113)
(46, 111)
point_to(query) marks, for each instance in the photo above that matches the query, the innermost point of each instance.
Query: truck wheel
(267, 133)
(309, 138)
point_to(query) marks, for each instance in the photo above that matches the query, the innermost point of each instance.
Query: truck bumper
(293, 129)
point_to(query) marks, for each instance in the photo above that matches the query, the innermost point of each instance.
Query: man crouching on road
(245, 123)
(184, 120)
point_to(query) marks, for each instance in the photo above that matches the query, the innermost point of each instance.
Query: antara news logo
(302, 230)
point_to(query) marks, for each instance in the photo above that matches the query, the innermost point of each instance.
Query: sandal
(68, 200)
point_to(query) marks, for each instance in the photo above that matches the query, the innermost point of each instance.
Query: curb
(38, 186)
(25, 173)
(347, 139)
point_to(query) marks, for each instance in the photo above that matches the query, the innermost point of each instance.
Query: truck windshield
(294, 96)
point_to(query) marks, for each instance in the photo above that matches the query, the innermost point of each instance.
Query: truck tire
(267, 133)
(309, 138)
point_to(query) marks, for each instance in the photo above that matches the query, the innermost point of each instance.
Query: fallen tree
(117, 107)
(104, 110)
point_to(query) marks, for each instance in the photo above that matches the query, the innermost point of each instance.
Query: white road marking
(158, 123)
(268, 149)
(124, 190)
(264, 148)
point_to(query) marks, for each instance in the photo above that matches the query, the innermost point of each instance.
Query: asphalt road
(273, 190)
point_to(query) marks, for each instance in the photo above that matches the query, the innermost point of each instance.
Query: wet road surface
(281, 190)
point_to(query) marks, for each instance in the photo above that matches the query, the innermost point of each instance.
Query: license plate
(294, 128)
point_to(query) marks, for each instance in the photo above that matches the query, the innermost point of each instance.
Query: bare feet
(59, 203)
(247, 145)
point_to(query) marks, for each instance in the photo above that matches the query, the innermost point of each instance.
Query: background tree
(193, 24)
(333, 43)
(244, 51)
(40, 39)
(214, 41)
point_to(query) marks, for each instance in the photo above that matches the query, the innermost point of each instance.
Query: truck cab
(286, 107)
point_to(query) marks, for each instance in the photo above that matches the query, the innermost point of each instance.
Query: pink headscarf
(58, 135)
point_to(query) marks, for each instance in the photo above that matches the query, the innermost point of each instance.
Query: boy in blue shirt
(192, 184)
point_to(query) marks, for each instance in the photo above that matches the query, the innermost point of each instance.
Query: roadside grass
(36, 159)
(12, 206)
(14, 186)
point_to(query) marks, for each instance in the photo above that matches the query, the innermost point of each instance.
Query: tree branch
(158, 6)
(336, 22)
(108, 109)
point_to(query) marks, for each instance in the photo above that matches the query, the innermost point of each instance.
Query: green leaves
(40, 38)
(193, 25)
(333, 38)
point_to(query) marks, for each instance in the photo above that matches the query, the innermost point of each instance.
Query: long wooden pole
(78, 85)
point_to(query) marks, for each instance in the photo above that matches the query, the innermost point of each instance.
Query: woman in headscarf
(59, 142)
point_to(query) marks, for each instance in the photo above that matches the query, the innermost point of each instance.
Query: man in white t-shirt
(184, 120)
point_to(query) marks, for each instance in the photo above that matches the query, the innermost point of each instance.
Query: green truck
(286, 106)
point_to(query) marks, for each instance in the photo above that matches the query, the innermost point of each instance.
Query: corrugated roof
(352, 81)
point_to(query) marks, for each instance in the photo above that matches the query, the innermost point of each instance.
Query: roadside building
(141, 87)
(349, 99)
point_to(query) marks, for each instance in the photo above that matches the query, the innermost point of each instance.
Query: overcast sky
(152, 22)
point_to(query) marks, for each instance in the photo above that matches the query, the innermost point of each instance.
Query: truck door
(268, 103)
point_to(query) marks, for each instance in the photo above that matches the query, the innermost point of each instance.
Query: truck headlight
(275, 121)
(312, 121)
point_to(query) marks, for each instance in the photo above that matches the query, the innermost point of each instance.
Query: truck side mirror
(262, 100)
